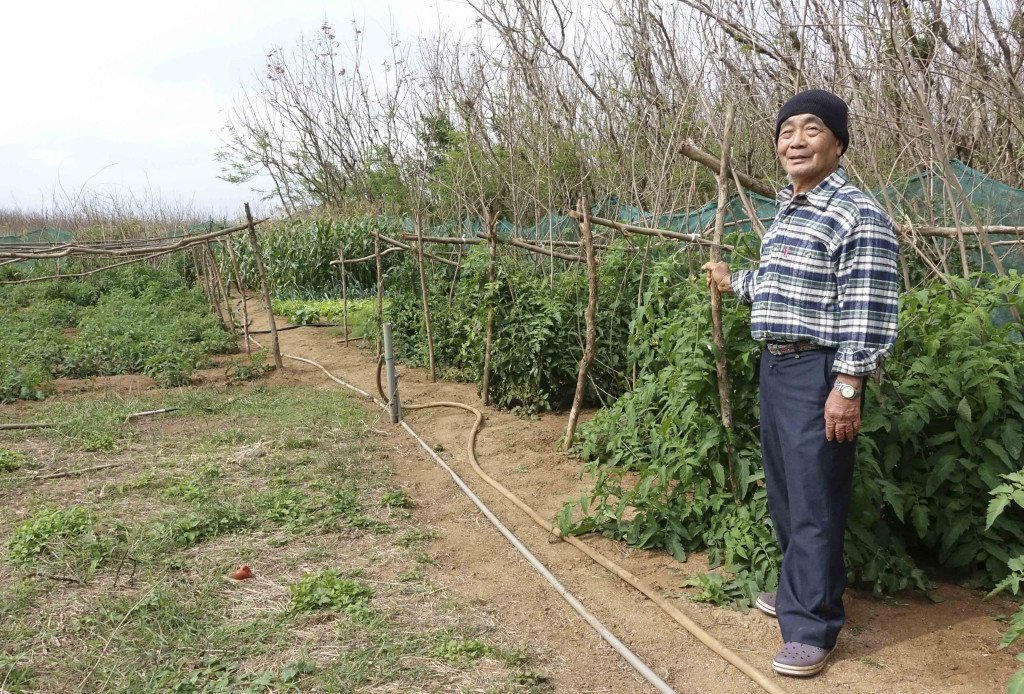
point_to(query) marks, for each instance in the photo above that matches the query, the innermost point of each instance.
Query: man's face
(808, 150)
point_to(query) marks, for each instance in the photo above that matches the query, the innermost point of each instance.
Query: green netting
(43, 235)
(924, 198)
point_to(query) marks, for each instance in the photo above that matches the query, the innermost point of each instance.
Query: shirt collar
(821, 194)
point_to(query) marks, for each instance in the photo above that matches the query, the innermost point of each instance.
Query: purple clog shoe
(766, 603)
(800, 660)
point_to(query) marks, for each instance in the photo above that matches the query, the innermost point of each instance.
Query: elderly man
(824, 300)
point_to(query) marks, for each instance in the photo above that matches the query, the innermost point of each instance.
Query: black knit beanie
(832, 111)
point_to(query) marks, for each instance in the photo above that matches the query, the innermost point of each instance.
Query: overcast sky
(118, 95)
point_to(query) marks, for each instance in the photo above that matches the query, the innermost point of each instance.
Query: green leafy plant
(397, 498)
(256, 368)
(464, 651)
(10, 460)
(304, 316)
(938, 433)
(57, 533)
(327, 590)
(212, 521)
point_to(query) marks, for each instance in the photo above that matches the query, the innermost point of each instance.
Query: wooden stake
(716, 297)
(394, 401)
(241, 290)
(380, 289)
(344, 294)
(590, 316)
(215, 269)
(455, 279)
(426, 300)
(211, 288)
(492, 246)
(266, 289)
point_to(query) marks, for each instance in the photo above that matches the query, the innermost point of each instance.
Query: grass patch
(327, 590)
(155, 543)
(396, 499)
(66, 535)
(414, 537)
(10, 460)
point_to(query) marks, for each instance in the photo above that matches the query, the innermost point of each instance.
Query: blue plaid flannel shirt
(828, 274)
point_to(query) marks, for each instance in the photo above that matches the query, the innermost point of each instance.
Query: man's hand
(720, 275)
(842, 416)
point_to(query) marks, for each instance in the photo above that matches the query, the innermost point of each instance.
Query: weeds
(171, 531)
(212, 521)
(414, 537)
(10, 460)
(398, 498)
(327, 590)
(58, 534)
(286, 506)
(241, 372)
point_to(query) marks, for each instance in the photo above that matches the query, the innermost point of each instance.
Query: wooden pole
(265, 288)
(485, 383)
(590, 316)
(211, 289)
(455, 279)
(380, 290)
(426, 300)
(344, 293)
(394, 402)
(716, 297)
(215, 269)
(690, 150)
(241, 290)
(640, 291)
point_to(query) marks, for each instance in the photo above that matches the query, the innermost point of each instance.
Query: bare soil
(907, 645)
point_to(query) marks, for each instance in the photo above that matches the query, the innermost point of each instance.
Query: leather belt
(780, 348)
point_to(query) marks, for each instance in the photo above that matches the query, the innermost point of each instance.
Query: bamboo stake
(241, 290)
(266, 290)
(372, 256)
(640, 293)
(455, 279)
(426, 299)
(590, 316)
(212, 283)
(406, 247)
(534, 249)
(200, 259)
(344, 293)
(215, 269)
(380, 289)
(721, 368)
(492, 247)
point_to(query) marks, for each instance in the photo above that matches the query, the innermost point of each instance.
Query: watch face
(846, 390)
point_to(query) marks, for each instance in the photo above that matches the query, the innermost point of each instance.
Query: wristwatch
(847, 391)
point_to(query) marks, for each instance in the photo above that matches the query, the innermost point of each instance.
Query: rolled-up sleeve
(868, 292)
(743, 285)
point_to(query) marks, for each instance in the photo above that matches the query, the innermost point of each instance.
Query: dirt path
(910, 645)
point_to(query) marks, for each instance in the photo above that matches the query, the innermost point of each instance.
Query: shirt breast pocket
(812, 261)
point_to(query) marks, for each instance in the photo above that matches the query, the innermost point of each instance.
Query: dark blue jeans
(808, 480)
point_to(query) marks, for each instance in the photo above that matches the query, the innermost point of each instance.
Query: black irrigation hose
(295, 327)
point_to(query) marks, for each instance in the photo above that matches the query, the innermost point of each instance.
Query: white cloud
(133, 93)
